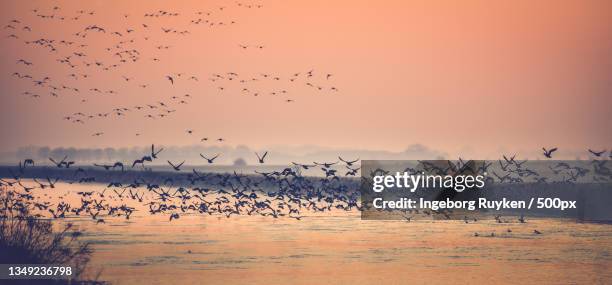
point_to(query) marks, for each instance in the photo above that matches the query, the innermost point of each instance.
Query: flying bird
(261, 158)
(597, 153)
(155, 153)
(349, 163)
(176, 167)
(548, 153)
(210, 160)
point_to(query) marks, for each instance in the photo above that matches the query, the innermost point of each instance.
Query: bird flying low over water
(155, 153)
(62, 163)
(326, 164)
(288, 193)
(141, 161)
(597, 153)
(210, 160)
(261, 158)
(304, 166)
(548, 153)
(349, 163)
(176, 167)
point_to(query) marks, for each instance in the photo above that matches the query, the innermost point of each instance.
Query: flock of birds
(144, 39)
(248, 85)
(282, 193)
(275, 194)
(141, 41)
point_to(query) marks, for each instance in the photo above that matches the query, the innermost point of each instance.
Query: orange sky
(477, 76)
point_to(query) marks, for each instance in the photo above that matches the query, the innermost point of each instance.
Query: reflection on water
(260, 250)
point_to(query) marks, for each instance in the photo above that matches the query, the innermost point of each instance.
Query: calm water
(339, 248)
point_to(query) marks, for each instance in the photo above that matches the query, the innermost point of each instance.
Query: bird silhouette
(348, 162)
(155, 153)
(548, 153)
(597, 153)
(210, 160)
(176, 167)
(261, 158)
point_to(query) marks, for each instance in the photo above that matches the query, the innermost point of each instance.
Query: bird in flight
(210, 160)
(349, 163)
(325, 164)
(155, 153)
(176, 167)
(141, 161)
(261, 158)
(597, 153)
(548, 153)
(305, 166)
(351, 171)
(59, 164)
(24, 62)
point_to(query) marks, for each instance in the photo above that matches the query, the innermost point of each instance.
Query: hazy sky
(474, 76)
